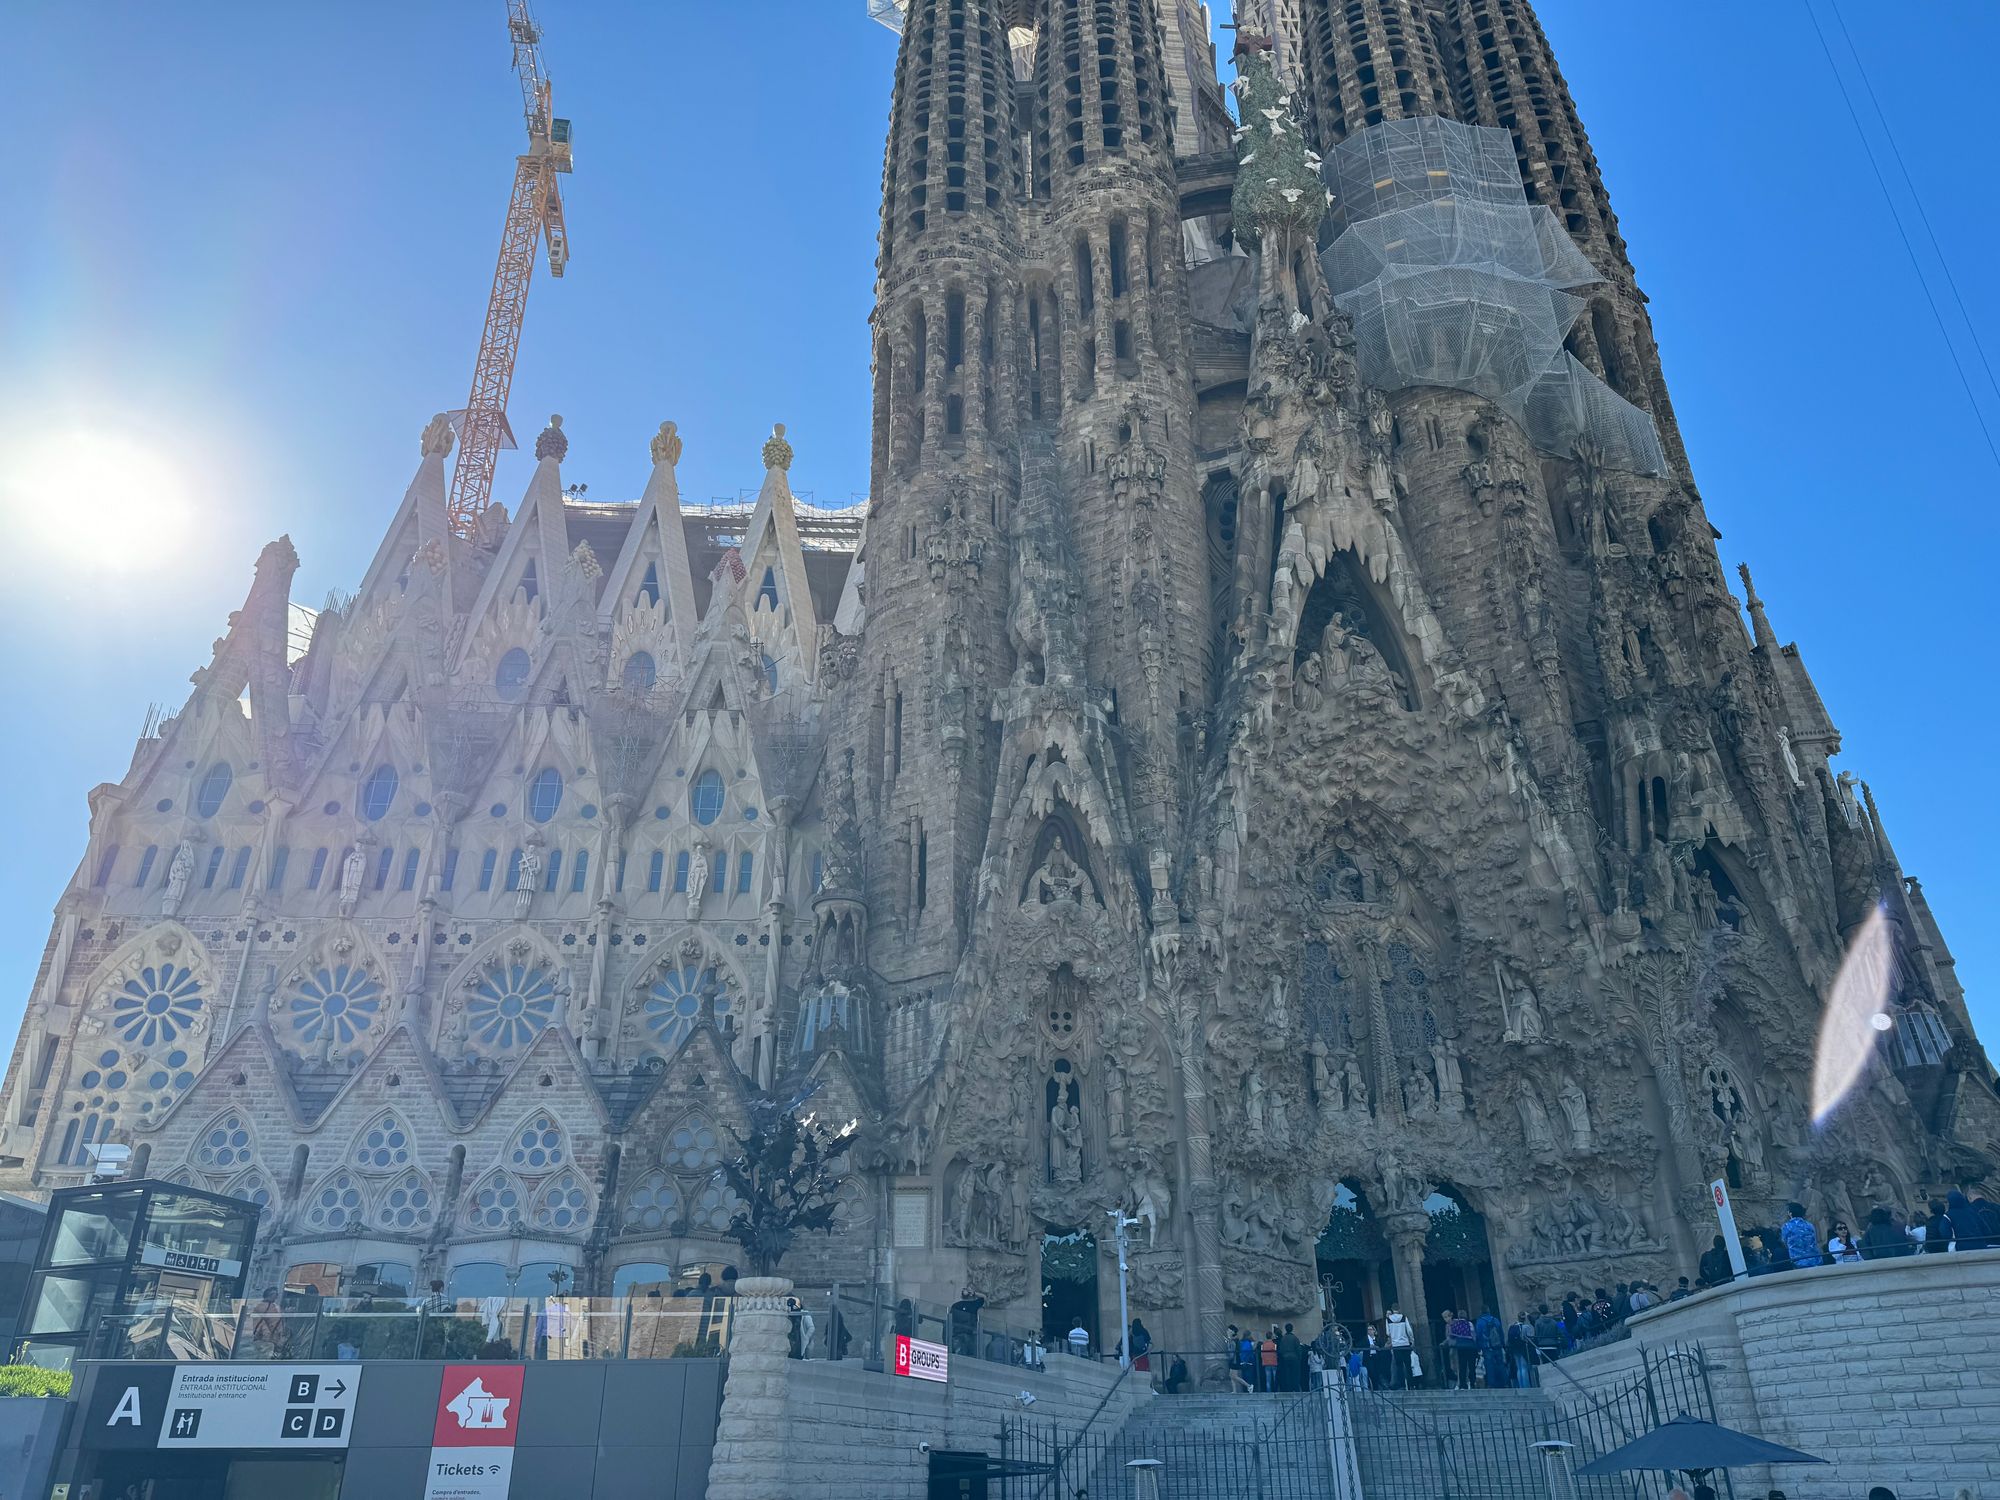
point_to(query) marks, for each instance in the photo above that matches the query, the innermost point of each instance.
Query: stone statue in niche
(1576, 1109)
(1059, 878)
(1523, 1016)
(1319, 1077)
(1114, 1094)
(1419, 1096)
(1065, 1143)
(1278, 1127)
(351, 870)
(179, 873)
(1791, 760)
(1357, 1086)
(1450, 1078)
(1535, 1126)
(698, 871)
(1253, 1104)
(1309, 689)
(531, 877)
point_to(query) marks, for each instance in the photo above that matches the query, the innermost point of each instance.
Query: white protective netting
(1453, 278)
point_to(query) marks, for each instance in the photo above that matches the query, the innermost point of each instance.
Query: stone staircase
(1216, 1447)
(1464, 1445)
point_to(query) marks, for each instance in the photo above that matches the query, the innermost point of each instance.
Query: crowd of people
(1942, 1225)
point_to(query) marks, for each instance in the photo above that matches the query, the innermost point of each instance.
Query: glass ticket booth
(136, 1270)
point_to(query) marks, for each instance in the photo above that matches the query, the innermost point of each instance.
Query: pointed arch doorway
(1069, 1286)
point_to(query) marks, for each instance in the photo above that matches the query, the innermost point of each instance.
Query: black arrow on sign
(338, 1388)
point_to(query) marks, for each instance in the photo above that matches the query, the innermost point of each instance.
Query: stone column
(750, 1460)
(1205, 1296)
(1405, 1233)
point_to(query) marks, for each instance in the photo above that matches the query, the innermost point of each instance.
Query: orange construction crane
(535, 210)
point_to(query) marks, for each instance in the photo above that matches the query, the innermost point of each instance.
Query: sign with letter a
(472, 1443)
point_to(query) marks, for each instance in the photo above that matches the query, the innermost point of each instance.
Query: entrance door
(1069, 1287)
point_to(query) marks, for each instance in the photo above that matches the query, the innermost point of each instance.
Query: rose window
(564, 1204)
(510, 1004)
(336, 1003)
(693, 1147)
(336, 1205)
(673, 1004)
(655, 1205)
(225, 1145)
(408, 1204)
(495, 1205)
(539, 1147)
(156, 1006)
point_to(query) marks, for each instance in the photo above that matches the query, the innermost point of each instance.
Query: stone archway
(1458, 1261)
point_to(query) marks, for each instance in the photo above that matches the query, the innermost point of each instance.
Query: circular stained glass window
(693, 1147)
(337, 1002)
(673, 1004)
(539, 1146)
(564, 1204)
(495, 1205)
(510, 1004)
(655, 1205)
(383, 1146)
(157, 1006)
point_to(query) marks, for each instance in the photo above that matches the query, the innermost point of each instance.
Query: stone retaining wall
(1889, 1369)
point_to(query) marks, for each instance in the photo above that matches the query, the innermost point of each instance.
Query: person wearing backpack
(1464, 1347)
(1521, 1350)
(1492, 1339)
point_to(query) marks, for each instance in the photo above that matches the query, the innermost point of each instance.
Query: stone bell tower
(1123, 408)
(944, 479)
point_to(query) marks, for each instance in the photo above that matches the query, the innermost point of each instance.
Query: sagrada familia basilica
(1278, 752)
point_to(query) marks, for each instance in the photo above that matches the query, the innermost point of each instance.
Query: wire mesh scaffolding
(1452, 278)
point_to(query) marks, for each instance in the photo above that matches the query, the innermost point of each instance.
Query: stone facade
(1208, 784)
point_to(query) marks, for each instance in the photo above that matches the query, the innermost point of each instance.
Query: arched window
(705, 802)
(655, 866)
(510, 678)
(225, 1145)
(563, 1204)
(384, 1146)
(640, 672)
(653, 1206)
(407, 1204)
(693, 1146)
(770, 672)
(378, 793)
(545, 794)
(767, 591)
(538, 1145)
(649, 586)
(214, 787)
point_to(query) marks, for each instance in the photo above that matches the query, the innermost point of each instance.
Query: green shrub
(33, 1380)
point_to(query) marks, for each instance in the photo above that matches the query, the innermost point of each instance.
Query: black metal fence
(1219, 1447)
(1475, 1446)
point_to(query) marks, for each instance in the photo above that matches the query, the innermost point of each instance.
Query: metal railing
(1270, 1448)
(1410, 1443)
(491, 1328)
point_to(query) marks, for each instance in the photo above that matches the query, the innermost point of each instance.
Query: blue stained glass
(510, 677)
(510, 1004)
(673, 1005)
(214, 787)
(545, 794)
(157, 1006)
(339, 1001)
(705, 801)
(378, 793)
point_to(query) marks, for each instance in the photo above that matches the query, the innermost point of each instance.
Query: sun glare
(102, 500)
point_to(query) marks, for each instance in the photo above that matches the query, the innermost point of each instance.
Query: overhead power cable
(1903, 233)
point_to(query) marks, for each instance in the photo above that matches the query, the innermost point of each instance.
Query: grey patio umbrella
(1694, 1447)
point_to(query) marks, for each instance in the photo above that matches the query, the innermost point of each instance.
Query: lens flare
(1855, 1014)
(98, 499)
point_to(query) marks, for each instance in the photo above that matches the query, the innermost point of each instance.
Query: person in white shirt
(1840, 1245)
(1402, 1344)
(1079, 1340)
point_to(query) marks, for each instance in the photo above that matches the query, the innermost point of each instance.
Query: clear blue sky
(250, 244)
